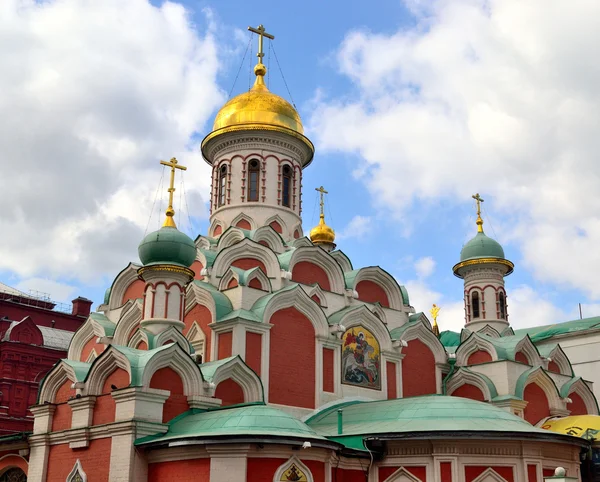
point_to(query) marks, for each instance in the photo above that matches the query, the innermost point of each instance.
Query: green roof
(285, 258)
(404, 293)
(209, 255)
(80, 368)
(168, 245)
(241, 314)
(247, 420)
(107, 325)
(222, 303)
(450, 338)
(260, 305)
(541, 333)
(481, 246)
(209, 369)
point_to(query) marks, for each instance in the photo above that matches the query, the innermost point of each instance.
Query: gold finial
(322, 233)
(321, 190)
(260, 54)
(170, 212)
(435, 309)
(479, 221)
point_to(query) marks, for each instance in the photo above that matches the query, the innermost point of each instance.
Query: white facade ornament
(77, 474)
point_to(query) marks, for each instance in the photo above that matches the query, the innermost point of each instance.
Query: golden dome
(322, 234)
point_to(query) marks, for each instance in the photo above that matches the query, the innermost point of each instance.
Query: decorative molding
(246, 249)
(471, 345)
(292, 461)
(383, 279)
(268, 235)
(244, 376)
(77, 474)
(321, 258)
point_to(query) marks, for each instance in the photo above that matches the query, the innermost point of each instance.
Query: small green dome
(168, 245)
(481, 246)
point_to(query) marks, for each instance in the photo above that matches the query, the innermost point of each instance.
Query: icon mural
(293, 474)
(361, 359)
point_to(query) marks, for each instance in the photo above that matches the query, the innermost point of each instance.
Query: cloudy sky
(413, 107)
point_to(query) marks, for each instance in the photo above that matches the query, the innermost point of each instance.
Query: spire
(435, 309)
(479, 221)
(259, 69)
(170, 212)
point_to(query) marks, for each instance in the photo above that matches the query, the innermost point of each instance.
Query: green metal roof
(247, 420)
(404, 293)
(209, 255)
(541, 333)
(522, 380)
(241, 314)
(107, 325)
(209, 369)
(168, 245)
(222, 303)
(260, 305)
(450, 338)
(80, 368)
(349, 277)
(481, 246)
(285, 258)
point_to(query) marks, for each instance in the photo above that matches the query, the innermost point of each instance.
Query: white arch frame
(129, 321)
(245, 249)
(244, 376)
(379, 312)
(202, 242)
(583, 390)
(83, 335)
(530, 351)
(316, 290)
(342, 260)
(543, 380)
(120, 285)
(174, 334)
(287, 464)
(558, 356)
(229, 237)
(361, 315)
(77, 470)
(465, 377)
(421, 332)
(139, 336)
(226, 279)
(297, 227)
(489, 475)
(197, 339)
(383, 279)
(302, 242)
(282, 223)
(54, 380)
(471, 345)
(197, 295)
(321, 258)
(243, 216)
(102, 367)
(489, 331)
(213, 226)
(402, 475)
(271, 237)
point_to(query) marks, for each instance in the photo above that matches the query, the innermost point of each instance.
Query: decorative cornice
(168, 268)
(482, 261)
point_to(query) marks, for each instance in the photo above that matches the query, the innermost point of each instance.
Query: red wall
(95, 460)
(553, 367)
(276, 226)
(40, 316)
(418, 369)
(309, 273)
(230, 392)
(472, 472)
(372, 293)
(89, 346)
(392, 387)
(532, 473)
(243, 224)
(225, 343)
(261, 470)
(480, 356)
(328, 378)
(197, 470)
(134, 291)
(169, 379)
(248, 263)
(419, 472)
(346, 475)
(61, 420)
(521, 358)
(469, 391)
(537, 406)
(292, 359)
(254, 351)
(577, 407)
(256, 284)
(446, 471)
(201, 315)
(197, 267)
(105, 407)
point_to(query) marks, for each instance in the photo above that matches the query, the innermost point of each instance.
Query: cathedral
(256, 353)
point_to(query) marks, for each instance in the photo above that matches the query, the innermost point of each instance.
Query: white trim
(104, 365)
(288, 464)
(270, 236)
(197, 339)
(464, 377)
(472, 345)
(129, 321)
(77, 469)
(320, 258)
(231, 236)
(489, 331)
(342, 260)
(54, 380)
(402, 475)
(244, 376)
(581, 389)
(383, 280)
(245, 249)
(120, 285)
(489, 475)
(243, 217)
(527, 347)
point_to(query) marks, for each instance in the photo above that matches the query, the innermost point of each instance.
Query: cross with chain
(322, 191)
(479, 221)
(261, 33)
(170, 222)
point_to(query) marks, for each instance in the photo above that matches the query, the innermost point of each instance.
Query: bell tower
(257, 150)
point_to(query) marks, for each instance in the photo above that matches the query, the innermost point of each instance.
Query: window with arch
(475, 304)
(286, 193)
(502, 305)
(222, 184)
(253, 179)
(13, 475)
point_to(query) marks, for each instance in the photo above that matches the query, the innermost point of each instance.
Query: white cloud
(425, 267)
(358, 227)
(94, 94)
(48, 288)
(497, 97)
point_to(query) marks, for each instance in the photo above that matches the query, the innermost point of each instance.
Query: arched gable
(489, 475)
(123, 280)
(402, 475)
(236, 370)
(231, 236)
(243, 221)
(25, 331)
(295, 465)
(559, 357)
(315, 292)
(128, 323)
(361, 315)
(342, 260)
(297, 231)
(197, 339)
(202, 242)
(267, 235)
(292, 297)
(216, 228)
(141, 336)
(471, 345)
(171, 335)
(320, 258)
(421, 332)
(199, 293)
(464, 376)
(303, 242)
(578, 386)
(55, 378)
(489, 331)
(378, 312)
(277, 224)
(90, 330)
(102, 367)
(538, 376)
(243, 250)
(245, 278)
(382, 279)
(530, 351)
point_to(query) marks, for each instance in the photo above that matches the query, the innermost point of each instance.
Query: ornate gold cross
(479, 221)
(322, 191)
(170, 222)
(261, 33)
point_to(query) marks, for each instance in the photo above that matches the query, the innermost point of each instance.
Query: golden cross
(435, 309)
(322, 191)
(170, 222)
(479, 221)
(261, 33)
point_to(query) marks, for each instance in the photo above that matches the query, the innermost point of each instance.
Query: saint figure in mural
(361, 359)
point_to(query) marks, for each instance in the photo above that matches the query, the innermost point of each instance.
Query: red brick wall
(95, 461)
(13, 461)
(218, 230)
(232, 283)
(418, 370)
(197, 470)
(249, 263)
(521, 358)
(276, 226)
(142, 345)
(256, 284)
(169, 379)
(105, 407)
(197, 268)
(254, 351)
(480, 356)
(577, 407)
(201, 315)
(537, 406)
(445, 471)
(134, 291)
(261, 470)
(371, 292)
(472, 472)
(40, 316)
(230, 392)
(243, 224)
(419, 471)
(225, 343)
(309, 273)
(61, 420)
(553, 367)
(532, 473)
(469, 391)
(89, 346)
(328, 378)
(392, 387)
(346, 475)
(292, 359)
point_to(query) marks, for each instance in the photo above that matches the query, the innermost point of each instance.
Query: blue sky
(413, 107)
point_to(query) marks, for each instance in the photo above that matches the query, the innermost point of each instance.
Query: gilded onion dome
(321, 233)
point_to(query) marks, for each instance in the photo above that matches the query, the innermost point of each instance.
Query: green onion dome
(168, 245)
(481, 246)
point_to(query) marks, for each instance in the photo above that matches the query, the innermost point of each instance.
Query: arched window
(502, 305)
(286, 194)
(253, 176)
(475, 304)
(222, 181)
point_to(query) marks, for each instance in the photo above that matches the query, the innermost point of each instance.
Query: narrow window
(287, 186)
(475, 304)
(222, 181)
(502, 303)
(253, 173)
